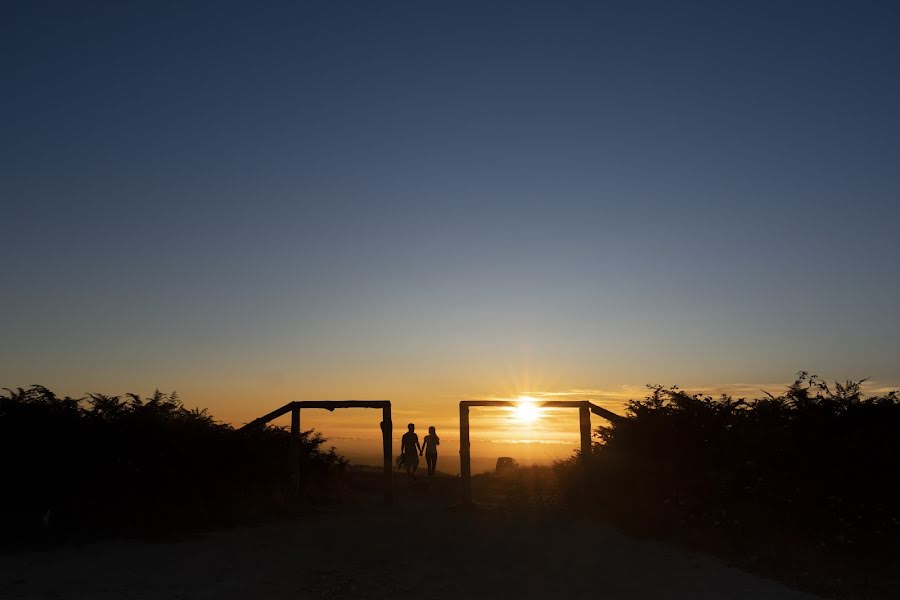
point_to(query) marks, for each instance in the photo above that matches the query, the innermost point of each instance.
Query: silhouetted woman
(429, 447)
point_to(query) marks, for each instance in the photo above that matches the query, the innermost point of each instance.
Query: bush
(816, 467)
(104, 465)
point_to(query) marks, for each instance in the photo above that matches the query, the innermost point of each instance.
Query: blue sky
(424, 201)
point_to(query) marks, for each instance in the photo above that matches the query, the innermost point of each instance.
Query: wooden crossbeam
(325, 404)
(606, 414)
(269, 417)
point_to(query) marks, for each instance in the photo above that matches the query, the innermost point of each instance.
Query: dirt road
(421, 548)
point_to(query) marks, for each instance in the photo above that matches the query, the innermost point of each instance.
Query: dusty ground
(421, 548)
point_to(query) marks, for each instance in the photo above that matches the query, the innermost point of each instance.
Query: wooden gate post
(295, 451)
(584, 418)
(465, 464)
(386, 442)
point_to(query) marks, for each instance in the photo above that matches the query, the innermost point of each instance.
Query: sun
(526, 410)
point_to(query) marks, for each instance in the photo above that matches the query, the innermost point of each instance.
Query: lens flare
(526, 410)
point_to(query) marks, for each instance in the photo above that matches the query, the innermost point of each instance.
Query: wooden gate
(295, 407)
(585, 408)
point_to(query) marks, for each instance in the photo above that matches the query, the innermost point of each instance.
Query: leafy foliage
(815, 467)
(101, 465)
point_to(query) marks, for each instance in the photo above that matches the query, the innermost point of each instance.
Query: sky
(434, 201)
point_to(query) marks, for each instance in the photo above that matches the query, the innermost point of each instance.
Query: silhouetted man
(409, 450)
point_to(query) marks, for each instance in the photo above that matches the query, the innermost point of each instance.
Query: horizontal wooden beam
(333, 404)
(513, 403)
(326, 404)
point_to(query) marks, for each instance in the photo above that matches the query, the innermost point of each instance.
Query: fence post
(295, 451)
(386, 442)
(584, 418)
(465, 464)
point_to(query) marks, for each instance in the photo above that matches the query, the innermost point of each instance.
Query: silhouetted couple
(411, 450)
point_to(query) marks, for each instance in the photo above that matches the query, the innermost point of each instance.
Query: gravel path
(419, 549)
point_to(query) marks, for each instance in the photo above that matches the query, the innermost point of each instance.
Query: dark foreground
(518, 544)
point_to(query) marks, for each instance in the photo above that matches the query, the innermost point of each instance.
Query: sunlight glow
(526, 410)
